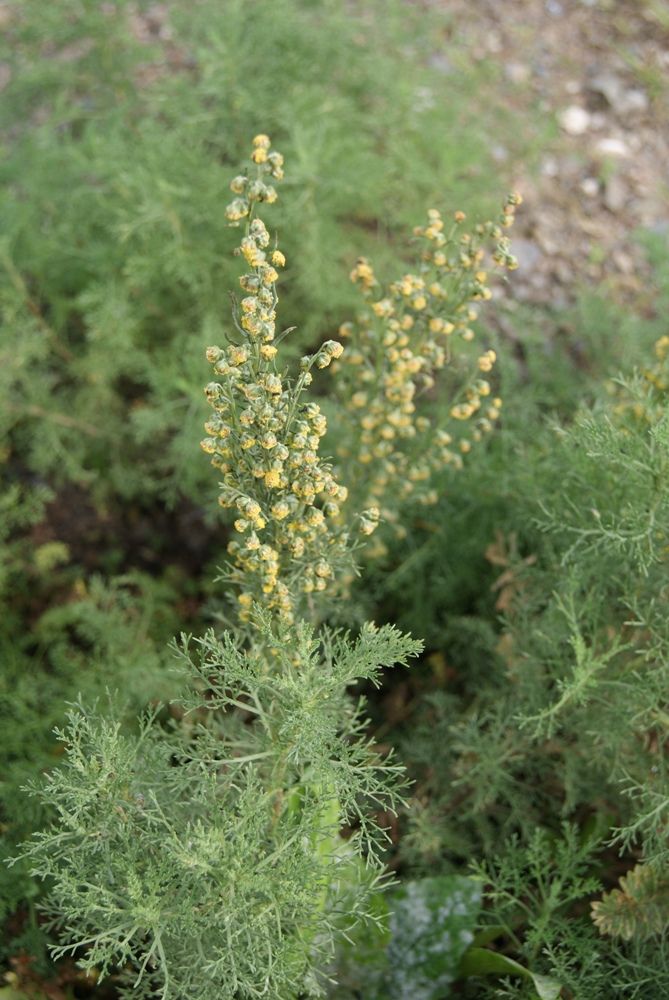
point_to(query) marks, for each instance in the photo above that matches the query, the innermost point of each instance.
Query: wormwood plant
(204, 856)
(205, 860)
(265, 440)
(59, 634)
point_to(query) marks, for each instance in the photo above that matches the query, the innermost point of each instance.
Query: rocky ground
(597, 75)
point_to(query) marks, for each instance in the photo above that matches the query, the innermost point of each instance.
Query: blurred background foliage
(116, 263)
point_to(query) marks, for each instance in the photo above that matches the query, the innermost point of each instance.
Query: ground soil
(596, 75)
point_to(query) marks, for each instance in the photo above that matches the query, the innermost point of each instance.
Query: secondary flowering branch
(407, 334)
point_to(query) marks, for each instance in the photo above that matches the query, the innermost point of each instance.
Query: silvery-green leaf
(431, 925)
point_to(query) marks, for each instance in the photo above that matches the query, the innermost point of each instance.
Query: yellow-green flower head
(238, 184)
(237, 209)
(363, 274)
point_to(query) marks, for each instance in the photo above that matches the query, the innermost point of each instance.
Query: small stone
(610, 146)
(500, 154)
(623, 261)
(550, 167)
(574, 120)
(517, 72)
(635, 101)
(609, 86)
(615, 194)
(590, 187)
(622, 100)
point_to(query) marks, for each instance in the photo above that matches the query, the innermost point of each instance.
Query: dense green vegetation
(530, 844)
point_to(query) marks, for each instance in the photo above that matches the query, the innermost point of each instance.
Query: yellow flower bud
(462, 411)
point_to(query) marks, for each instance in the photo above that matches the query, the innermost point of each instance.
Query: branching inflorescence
(400, 341)
(265, 440)
(292, 539)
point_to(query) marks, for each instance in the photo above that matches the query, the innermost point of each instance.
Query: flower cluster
(251, 191)
(264, 439)
(657, 378)
(407, 333)
(647, 402)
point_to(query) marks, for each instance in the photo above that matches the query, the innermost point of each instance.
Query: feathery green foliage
(556, 710)
(216, 839)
